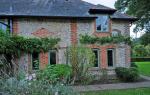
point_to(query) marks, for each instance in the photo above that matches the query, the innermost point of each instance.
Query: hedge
(140, 59)
(127, 74)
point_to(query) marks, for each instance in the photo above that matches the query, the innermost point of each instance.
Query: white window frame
(99, 16)
(113, 51)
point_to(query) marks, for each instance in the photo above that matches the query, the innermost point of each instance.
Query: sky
(110, 3)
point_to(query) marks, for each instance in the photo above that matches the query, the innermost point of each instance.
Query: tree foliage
(139, 51)
(145, 39)
(137, 8)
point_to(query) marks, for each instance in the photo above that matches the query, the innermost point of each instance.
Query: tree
(137, 8)
(145, 39)
(81, 59)
(139, 51)
(148, 50)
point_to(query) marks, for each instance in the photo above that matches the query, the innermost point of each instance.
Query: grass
(138, 91)
(144, 68)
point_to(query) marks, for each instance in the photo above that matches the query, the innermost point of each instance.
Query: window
(52, 57)
(102, 23)
(35, 61)
(2, 25)
(115, 33)
(110, 57)
(96, 52)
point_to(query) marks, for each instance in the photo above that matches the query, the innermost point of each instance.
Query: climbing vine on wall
(86, 39)
(14, 45)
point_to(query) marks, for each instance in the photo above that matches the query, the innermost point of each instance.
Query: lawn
(138, 91)
(144, 68)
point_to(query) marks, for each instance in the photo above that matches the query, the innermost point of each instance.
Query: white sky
(110, 3)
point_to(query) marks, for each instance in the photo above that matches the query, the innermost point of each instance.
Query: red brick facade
(73, 32)
(15, 27)
(43, 32)
(43, 57)
(43, 60)
(103, 53)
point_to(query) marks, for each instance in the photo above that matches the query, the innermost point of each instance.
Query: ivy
(14, 45)
(86, 39)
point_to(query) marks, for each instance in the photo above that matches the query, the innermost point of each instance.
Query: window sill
(102, 31)
(111, 68)
(94, 68)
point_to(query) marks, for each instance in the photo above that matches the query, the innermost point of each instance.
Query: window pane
(35, 61)
(52, 57)
(102, 23)
(115, 33)
(3, 27)
(110, 58)
(96, 63)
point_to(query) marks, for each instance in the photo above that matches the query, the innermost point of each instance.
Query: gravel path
(113, 86)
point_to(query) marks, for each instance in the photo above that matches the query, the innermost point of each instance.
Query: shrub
(140, 59)
(55, 73)
(12, 86)
(127, 74)
(81, 58)
(134, 65)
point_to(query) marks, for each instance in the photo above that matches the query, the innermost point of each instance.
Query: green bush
(12, 86)
(55, 73)
(133, 65)
(140, 59)
(127, 74)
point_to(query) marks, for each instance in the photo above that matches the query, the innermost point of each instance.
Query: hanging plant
(14, 45)
(86, 39)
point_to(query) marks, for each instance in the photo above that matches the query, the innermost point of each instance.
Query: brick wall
(69, 31)
(44, 60)
(122, 50)
(122, 53)
(63, 29)
(73, 26)
(15, 28)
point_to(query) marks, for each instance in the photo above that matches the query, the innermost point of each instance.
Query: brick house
(67, 19)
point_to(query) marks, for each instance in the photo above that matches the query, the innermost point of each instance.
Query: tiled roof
(50, 8)
(122, 16)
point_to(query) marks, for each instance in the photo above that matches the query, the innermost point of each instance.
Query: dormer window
(102, 23)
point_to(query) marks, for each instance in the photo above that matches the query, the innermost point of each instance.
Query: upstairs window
(115, 33)
(102, 23)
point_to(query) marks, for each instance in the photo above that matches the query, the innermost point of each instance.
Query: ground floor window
(35, 61)
(52, 57)
(110, 57)
(97, 61)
